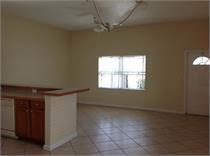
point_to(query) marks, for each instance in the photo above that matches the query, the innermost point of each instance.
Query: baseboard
(59, 143)
(8, 133)
(132, 107)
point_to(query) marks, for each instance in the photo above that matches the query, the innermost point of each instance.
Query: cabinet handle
(31, 111)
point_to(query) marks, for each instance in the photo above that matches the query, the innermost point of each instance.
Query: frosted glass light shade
(201, 60)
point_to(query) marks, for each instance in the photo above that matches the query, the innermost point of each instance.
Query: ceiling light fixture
(104, 26)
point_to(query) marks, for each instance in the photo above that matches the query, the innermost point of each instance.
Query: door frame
(186, 53)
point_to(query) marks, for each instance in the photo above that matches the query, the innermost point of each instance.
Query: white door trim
(186, 52)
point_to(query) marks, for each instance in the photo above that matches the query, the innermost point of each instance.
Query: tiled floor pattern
(115, 131)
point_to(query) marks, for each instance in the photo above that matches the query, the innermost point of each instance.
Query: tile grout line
(89, 139)
(108, 141)
(119, 140)
(136, 142)
(117, 144)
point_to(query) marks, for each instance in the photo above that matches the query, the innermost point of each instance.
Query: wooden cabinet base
(30, 119)
(37, 125)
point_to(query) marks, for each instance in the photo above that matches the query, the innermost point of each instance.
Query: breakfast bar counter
(60, 116)
(59, 113)
(21, 95)
(62, 92)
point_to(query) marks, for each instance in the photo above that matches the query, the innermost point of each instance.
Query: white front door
(197, 86)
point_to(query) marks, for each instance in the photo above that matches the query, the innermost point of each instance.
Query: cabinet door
(37, 104)
(22, 125)
(37, 125)
(22, 103)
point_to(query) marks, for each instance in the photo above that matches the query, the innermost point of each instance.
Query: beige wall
(34, 54)
(40, 55)
(164, 45)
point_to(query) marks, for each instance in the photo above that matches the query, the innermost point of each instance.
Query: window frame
(207, 63)
(123, 89)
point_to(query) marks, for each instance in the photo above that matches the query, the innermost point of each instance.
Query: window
(122, 72)
(201, 61)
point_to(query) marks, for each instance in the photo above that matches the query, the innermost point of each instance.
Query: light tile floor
(113, 131)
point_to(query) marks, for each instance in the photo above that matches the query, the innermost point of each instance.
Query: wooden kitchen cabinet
(30, 119)
(37, 125)
(22, 122)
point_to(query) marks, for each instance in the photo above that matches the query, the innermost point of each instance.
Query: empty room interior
(117, 77)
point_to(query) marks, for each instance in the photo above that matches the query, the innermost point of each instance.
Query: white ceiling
(77, 15)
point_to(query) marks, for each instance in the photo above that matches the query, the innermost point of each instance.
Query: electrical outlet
(34, 91)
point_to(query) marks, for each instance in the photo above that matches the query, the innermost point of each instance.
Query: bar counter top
(21, 95)
(62, 92)
(26, 92)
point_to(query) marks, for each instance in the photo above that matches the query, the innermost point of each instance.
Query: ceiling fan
(100, 10)
(102, 26)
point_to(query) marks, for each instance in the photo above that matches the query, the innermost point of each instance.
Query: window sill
(122, 89)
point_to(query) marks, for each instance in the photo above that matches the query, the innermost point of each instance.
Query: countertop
(62, 92)
(27, 94)
(21, 94)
